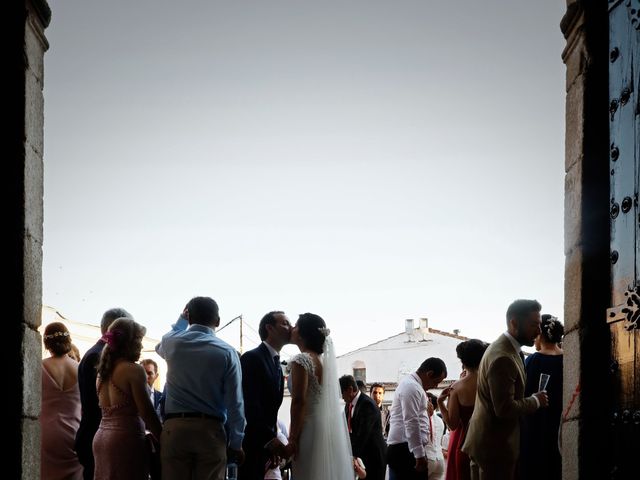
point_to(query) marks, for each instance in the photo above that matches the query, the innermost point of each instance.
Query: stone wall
(587, 272)
(23, 72)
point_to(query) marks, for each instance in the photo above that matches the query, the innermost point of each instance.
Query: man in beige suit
(493, 437)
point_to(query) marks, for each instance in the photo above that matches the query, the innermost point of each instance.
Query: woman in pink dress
(457, 411)
(60, 415)
(119, 446)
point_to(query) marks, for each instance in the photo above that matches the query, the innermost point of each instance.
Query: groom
(263, 387)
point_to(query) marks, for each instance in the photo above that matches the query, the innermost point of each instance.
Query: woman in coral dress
(60, 415)
(457, 411)
(119, 447)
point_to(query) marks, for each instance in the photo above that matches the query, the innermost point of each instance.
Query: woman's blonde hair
(123, 341)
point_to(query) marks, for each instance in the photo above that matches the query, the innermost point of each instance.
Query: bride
(319, 440)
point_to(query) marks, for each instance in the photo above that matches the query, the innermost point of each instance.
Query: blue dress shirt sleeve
(233, 401)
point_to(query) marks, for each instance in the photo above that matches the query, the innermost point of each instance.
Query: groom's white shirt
(409, 419)
(353, 403)
(272, 350)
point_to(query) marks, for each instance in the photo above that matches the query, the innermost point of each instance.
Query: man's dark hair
(435, 365)
(521, 309)
(374, 386)
(110, 316)
(202, 311)
(268, 319)
(347, 381)
(149, 361)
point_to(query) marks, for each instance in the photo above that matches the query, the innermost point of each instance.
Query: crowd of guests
(102, 418)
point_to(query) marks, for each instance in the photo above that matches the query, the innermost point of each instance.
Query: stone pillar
(23, 24)
(587, 272)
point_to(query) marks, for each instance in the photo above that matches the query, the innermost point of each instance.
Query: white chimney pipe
(408, 326)
(424, 324)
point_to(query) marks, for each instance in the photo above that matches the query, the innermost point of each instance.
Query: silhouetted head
(57, 339)
(310, 332)
(203, 311)
(470, 353)
(523, 321)
(110, 316)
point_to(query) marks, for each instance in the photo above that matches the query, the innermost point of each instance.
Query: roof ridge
(448, 334)
(431, 330)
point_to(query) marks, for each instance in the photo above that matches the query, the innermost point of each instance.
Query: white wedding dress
(324, 448)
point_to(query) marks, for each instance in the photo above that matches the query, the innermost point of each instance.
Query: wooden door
(623, 316)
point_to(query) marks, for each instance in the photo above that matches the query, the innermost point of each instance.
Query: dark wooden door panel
(624, 159)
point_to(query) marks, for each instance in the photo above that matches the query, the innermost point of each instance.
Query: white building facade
(389, 360)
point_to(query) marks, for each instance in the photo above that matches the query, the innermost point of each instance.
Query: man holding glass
(493, 437)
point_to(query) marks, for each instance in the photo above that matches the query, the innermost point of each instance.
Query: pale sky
(368, 161)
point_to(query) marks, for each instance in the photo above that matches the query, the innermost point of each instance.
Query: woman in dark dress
(539, 453)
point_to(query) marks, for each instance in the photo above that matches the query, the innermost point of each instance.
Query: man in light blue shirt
(203, 396)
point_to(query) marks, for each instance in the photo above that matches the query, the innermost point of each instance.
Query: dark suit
(91, 413)
(157, 397)
(367, 441)
(262, 387)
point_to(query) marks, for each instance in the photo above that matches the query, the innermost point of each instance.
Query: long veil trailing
(333, 458)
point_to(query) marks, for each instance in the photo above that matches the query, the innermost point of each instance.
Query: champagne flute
(544, 380)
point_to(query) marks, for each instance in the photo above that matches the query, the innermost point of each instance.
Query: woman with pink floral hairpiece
(119, 447)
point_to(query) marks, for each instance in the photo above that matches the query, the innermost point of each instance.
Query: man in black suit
(365, 428)
(263, 388)
(91, 413)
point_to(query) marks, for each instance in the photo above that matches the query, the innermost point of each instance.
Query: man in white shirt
(409, 431)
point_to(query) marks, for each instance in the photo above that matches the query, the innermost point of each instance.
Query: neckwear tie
(350, 411)
(521, 356)
(276, 362)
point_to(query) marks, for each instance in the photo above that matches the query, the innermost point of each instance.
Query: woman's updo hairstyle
(123, 341)
(309, 328)
(57, 339)
(470, 352)
(551, 329)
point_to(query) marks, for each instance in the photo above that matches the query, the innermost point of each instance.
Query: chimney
(408, 326)
(424, 324)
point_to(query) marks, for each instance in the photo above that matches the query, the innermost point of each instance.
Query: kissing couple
(319, 439)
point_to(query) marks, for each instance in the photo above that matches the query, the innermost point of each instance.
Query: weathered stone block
(573, 208)
(570, 443)
(32, 282)
(32, 374)
(574, 121)
(30, 449)
(575, 59)
(33, 192)
(34, 113)
(573, 279)
(571, 373)
(35, 46)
